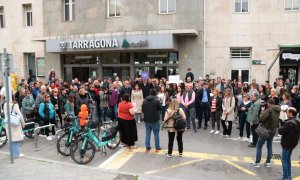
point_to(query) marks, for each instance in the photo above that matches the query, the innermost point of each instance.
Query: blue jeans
(16, 149)
(152, 126)
(259, 146)
(190, 116)
(104, 111)
(286, 163)
(114, 112)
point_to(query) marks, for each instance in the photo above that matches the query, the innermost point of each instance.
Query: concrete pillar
(131, 65)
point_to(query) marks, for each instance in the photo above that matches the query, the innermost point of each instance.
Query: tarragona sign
(100, 43)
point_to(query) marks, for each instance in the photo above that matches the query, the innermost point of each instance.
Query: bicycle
(29, 132)
(71, 133)
(3, 135)
(83, 150)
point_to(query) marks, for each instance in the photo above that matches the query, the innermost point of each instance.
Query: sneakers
(268, 165)
(139, 122)
(21, 155)
(254, 164)
(157, 150)
(212, 131)
(217, 132)
(240, 138)
(246, 139)
(169, 155)
(227, 136)
(53, 137)
(49, 138)
(148, 150)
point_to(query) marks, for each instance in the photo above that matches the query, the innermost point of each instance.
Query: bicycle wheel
(29, 134)
(115, 142)
(3, 137)
(82, 156)
(63, 146)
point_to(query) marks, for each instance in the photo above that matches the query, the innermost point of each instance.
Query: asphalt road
(206, 156)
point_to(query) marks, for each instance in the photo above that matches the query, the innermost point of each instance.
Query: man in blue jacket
(203, 101)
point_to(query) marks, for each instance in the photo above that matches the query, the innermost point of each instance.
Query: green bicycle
(3, 136)
(83, 150)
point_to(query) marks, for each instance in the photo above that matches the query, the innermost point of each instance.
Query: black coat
(146, 89)
(200, 96)
(290, 134)
(124, 91)
(151, 107)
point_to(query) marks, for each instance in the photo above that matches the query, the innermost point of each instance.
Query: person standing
(284, 105)
(113, 102)
(127, 124)
(151, 108)
(137, 101)
(203, 101)
(169, 121)
(163, 97)
(228, 106)
(269, 119)
(16, 131)
(35, 90)
(243, 111)
(253, 118)
(216, 109)
(47, 113)
(188, 101)
(290, 135)
(190, 75)
(125, 89)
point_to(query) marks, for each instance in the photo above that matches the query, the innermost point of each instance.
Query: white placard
(174, 79)
(286, 56)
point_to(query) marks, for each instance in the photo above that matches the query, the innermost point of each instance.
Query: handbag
(262, 131)
(14, 117)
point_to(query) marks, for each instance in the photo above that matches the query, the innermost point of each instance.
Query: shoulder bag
(14, 117)
(262, 131)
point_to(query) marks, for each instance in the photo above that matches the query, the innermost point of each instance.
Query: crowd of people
(200, 102)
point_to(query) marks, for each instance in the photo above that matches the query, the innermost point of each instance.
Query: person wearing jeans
(253, 118)
(151, 108)
(188, 101)
(289, 140)
(269, 119)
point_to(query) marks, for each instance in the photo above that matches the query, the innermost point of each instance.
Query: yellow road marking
(221, 157)
(120, 160)
(173, 166)
(297, 178)
(240, 168)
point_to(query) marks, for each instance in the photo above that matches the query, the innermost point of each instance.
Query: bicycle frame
(90, 135)
(2, 124)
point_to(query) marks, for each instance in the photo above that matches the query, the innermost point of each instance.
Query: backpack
(179, 123)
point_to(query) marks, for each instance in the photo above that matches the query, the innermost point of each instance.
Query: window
(240, 53)
(69, 10)
(242, 6)
(114, 8)
(167, 6)
(30, 65)
(28, 14)
(1, 17)
(292, 5)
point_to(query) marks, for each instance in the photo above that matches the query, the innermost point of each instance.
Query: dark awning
(288, 46)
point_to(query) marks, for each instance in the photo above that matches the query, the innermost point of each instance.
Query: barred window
(240, 53)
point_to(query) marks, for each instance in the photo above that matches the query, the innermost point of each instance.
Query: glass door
(241, 75)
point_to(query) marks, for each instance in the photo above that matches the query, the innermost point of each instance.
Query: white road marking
(110, 159)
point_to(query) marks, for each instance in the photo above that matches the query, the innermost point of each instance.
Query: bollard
(36, 136)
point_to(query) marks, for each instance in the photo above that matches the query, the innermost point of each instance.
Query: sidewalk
(32, 168)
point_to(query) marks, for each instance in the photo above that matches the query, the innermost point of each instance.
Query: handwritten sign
(174, 79)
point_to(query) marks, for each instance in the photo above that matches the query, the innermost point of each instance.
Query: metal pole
(7, 100)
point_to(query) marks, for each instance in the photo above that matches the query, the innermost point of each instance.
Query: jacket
(200, 95)
(228, 105)
(169, 121)
(253, 113)
(271, 115)
(80, 100)
(69, 108)
(290, 133)
(83, 115)
(218, 103)
(243, 114)
(146, 89)
(104, 98)
(62, 100)
(51, 110)
(191, 98)
(39, 100)
(27, 104)
(17, 133)
(151, 107)
(113, 98)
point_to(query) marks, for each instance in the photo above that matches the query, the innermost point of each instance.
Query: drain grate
(125, 177)
(276, 156)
